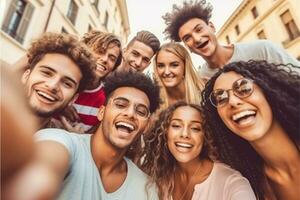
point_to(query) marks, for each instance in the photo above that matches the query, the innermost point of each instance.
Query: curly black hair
(133, 79)
(180, 15)
(281, 87)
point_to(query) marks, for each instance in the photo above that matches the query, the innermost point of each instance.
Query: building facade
(274, 20)
(24, 20)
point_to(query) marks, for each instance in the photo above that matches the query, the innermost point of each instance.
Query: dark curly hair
(99, 41)
(130, 78)
(180, 15)
(156, 160)
(281, 87)
(148, 39)
(64, 44)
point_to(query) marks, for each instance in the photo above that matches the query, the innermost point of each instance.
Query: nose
(138, 62)
(52, 84)
(103, 58)
(130, 111)
(196, 38)
(185, 133)
(233, 100)
(167, 71)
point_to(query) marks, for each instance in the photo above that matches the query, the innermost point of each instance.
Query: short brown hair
(64, 44)
(98, 42)
(180, 15)
(148, 39)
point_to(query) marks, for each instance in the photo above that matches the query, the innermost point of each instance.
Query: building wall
(268, 20)
(88, 15)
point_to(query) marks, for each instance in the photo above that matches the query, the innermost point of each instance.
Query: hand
(71, 114)
(72, 127)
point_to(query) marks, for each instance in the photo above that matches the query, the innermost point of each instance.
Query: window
(254, 12)
(261, 35)
(63, 30)
(90, 28)
(290, 25)
(106, 19)
(72, 12)
(237, 29)
(17, 19)
(227, 39)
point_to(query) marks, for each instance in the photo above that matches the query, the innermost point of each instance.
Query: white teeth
(129, 126)
(239, 115)
(183, 145)
(101, 68)
(46, 96)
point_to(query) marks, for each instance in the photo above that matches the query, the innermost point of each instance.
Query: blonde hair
(192, 82)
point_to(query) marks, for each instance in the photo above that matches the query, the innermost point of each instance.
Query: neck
(194, 168)
(94, 84)
(176, 93)
(276, 148)
(221, 56)
(42, 121)
(104, 153)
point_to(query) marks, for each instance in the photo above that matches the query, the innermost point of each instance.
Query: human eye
(175, 125)
(113, 58)
(142, 111)
(134, 53)
(46, 72)
(119, 103)
(196, 128)
(68, 84)
(160, 65)
(174, 64)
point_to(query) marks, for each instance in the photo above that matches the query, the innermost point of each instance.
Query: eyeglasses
(123, 104)
(241, 88)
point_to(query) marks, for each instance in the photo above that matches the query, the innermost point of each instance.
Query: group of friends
(96, 127)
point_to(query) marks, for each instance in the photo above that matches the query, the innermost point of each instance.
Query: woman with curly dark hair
(251, 110)
(177, 158)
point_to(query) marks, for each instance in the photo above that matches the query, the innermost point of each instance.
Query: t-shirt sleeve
(238, 187)
(279, 55)
(58, 135)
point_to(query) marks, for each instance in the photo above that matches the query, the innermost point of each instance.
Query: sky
(146, 15)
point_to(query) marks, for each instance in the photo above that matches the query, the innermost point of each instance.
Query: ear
(25, 76)
(100, 114)
(72, 101)
(212, 26)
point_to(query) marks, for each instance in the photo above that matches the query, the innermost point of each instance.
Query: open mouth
(243, 117)
(202, 45)
(124, 127)
(46, 96)
(183, 145)
(101, 68)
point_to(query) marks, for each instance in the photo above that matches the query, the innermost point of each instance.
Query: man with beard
(94, 166)
(59, 66)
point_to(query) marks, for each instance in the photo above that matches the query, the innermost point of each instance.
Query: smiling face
(170, 69)
(199, 37)
(106, 60)
(249, 117)
(137, 56)
(124, 118)
(184, 135)
(51, 84)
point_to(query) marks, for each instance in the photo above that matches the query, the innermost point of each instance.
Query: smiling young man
(191, 24)
(95, 166)
(139, 51)
(59, 66)
(82, 115)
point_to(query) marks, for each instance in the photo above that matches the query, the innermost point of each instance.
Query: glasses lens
(219, 97)
(243, 87)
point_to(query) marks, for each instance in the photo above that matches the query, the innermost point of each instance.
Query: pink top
(224, 183)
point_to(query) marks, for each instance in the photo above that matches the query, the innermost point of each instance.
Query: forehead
(114, 49)
(134, 95)
(142, 48)
(225, 80)
(62, 64)
(166, 55)
(187, 113)
(187, 27)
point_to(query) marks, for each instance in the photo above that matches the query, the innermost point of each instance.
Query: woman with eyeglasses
(178, 158)
(175, 73)
(252, 112)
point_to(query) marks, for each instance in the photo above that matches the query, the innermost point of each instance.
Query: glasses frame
(233, 91)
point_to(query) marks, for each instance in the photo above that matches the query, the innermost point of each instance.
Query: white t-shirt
(224, 183)
(83, 181)
(257, 50)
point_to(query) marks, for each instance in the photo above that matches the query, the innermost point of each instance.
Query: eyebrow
(53, 70)
(193, 121)
(125, 99)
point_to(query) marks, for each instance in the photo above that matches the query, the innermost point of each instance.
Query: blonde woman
(175, 73)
